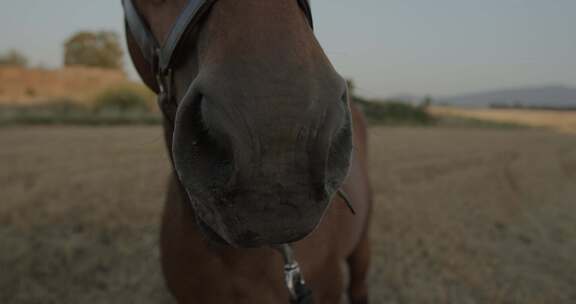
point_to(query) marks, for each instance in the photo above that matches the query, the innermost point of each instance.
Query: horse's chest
(254, 281)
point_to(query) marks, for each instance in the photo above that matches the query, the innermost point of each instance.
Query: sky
(389, 47)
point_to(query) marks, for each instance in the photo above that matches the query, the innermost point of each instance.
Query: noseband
(160, 58)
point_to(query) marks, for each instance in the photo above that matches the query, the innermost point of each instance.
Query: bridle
(160, 57)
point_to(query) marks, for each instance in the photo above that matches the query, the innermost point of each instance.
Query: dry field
(563, 121)
(20, 86)
(461, 216)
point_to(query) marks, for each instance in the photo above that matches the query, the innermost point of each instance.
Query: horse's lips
(232, 228)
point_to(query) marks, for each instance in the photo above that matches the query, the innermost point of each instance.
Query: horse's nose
(285, 164)
(266, 145)
(241, 143)
(249, 152)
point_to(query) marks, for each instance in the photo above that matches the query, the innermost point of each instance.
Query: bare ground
(461, 216)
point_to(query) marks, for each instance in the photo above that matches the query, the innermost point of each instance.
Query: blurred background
(472, 112)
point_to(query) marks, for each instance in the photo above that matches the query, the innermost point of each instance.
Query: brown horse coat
(259, 142)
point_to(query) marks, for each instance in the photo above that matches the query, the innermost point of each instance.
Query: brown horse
(259, 130)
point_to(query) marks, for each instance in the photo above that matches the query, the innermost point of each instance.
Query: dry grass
(474, 216)
(20, 86)
(564, 121)
(461, 216)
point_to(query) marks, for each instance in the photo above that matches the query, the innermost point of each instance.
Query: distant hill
(546, 96)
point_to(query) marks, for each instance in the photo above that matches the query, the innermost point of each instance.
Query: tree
(427, 102)
(95, 49)
(13, 58)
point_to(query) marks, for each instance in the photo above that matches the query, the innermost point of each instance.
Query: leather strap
(160, 56)
(305, 5)
(139, 30)
(185, 21)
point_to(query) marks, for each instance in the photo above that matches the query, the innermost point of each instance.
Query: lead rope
(293, 278)
(299, 292)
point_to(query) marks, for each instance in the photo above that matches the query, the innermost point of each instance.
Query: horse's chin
(210, 235)
(216, 239)
(231, 228)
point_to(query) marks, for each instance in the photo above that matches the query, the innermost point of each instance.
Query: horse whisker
(343, 195)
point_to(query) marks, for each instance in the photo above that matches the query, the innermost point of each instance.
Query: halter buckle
(293, 278)
(163, 76)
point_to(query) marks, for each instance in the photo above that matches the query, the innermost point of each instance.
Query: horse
(262, 138)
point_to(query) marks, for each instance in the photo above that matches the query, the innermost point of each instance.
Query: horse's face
(261, 139)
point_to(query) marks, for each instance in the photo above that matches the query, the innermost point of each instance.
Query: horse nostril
(202, 154)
